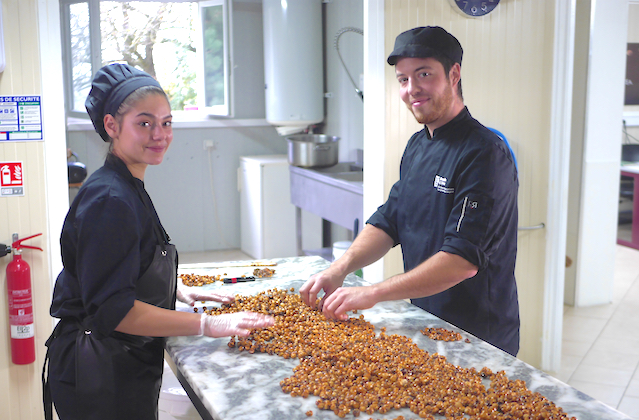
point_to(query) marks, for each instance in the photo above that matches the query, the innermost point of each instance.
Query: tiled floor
(600, 349)
(600, 353)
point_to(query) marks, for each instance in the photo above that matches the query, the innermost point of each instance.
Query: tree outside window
(161, 38)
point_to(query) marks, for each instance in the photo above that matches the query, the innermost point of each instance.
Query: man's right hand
(371, 244)
(328, 281)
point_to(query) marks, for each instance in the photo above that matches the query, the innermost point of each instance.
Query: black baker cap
(426, 41)
(110, 87)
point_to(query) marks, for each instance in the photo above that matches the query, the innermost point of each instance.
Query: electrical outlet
(209, 144)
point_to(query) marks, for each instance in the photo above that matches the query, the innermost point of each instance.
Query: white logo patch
(440, 185)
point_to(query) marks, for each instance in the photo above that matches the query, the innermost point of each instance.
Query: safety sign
(20, 118)
(11, 179)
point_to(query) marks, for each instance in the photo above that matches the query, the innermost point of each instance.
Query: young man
(453, 210)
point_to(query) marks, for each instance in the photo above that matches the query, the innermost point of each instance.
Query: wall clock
(474, 8)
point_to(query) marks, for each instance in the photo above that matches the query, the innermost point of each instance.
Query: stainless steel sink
(341, 167)
(341, 176)
(349, 176)
(334, 193)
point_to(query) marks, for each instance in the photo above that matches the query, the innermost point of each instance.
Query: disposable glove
(238, 323)
(190, 297)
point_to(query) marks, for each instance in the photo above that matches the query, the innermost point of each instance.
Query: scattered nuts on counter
(352, 370)
(441, 334)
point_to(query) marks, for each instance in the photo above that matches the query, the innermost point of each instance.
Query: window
(214, 26)
(183, 44)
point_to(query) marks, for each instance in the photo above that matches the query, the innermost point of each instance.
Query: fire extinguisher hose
(5, 250)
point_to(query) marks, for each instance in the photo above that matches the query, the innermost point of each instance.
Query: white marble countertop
(225, 383)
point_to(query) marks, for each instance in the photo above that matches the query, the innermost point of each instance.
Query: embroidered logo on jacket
(440, 185)
(468, 205)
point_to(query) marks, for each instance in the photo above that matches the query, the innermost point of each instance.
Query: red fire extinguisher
(20, 304)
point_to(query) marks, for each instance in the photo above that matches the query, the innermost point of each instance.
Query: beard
(436, 107)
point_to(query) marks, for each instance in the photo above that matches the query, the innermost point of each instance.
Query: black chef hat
(426, 42)
(111, 86)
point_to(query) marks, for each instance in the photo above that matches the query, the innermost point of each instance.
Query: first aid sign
(11, 179)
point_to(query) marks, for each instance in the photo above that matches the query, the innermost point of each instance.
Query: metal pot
(312, 150)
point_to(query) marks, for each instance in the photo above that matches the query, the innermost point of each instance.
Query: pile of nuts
(198, 280)
(352, 370)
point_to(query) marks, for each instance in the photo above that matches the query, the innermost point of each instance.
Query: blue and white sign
(20, 118)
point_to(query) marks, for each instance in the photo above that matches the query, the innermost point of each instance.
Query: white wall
(248, 59)
(344, 108)
(580, 73)
(633, 36)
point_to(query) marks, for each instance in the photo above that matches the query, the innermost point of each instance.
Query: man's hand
(327, 280)
(370, 245)
(346, 299)
(190, 297)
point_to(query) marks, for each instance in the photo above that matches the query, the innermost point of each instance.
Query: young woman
(116, 294)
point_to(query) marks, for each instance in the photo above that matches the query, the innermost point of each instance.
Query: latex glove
(238, 323)
(190, 297)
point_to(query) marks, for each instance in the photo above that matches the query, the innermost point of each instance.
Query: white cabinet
(267, 217)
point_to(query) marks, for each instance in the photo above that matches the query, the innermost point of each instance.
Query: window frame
(94, 45)
(95, 36)
(224, 110)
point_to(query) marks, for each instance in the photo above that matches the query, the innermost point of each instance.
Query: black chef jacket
(108, 242)
(457, 193)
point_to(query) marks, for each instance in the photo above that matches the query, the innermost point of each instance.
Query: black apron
(117, 376)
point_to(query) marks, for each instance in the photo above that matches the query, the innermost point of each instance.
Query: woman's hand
(190, 297)
(239, 323)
